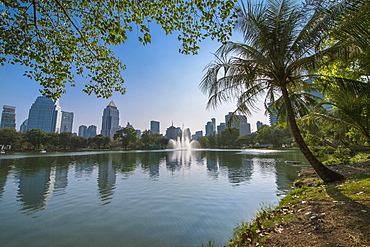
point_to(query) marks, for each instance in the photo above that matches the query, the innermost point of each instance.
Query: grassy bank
(315, 214)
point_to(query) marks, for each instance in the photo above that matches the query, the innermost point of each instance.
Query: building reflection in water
(33, 188)
(151, 161)
(106, 180)
(39, 180)
(84, 167)
(239, 169)
(5, 167)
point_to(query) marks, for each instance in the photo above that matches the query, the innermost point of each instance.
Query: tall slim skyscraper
(209, 128)
(23, 127)
(82, 131)
(110, 120)
(45, 114)
(8, 117)
(154, 127)
(213, 120)
(272, 116)
(67, 122)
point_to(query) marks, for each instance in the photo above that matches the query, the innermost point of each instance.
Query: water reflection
(4, 172)
(33, 188)
(106, 180)
(41, 178)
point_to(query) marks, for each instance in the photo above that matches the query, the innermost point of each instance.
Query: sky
(161, 85)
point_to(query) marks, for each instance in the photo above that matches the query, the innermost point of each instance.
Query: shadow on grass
(353, 214)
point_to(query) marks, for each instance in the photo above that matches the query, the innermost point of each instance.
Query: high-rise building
(23, 127)
(272, 116)
(154, 127)
(260, 125)
(197, 135)
(8, 117)
(187, 134)
(67, 122)
(82, 131)
(129, 125)
(221, 127)
(213, 120)
(45, 114)
(91, 131)
(209, 128)
(110, 120)
(240, 122)
(172, 132)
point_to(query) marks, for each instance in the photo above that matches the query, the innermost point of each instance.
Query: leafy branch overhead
(58, 39)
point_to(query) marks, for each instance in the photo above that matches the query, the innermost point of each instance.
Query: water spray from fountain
(183, 143)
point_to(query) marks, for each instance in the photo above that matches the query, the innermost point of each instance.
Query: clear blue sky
(161, 85)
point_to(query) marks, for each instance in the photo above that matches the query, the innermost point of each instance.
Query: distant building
(23, 127)
(240, 122)
(82, 131)
(129, 125)
(91, 131)
(154, 127)
(8, 117)
(138, 133)
(110, 120)
(213, 120)
(272, 116)
(67, 122)
(187, 133)
(45, 114)
(259, 124)
(197, 135)
(172, 132)
(209, 128)
(221, 127)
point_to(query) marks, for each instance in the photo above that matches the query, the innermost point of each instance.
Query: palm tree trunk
(324, 173)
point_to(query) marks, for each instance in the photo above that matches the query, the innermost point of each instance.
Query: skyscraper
(110, 120)
(23, 127)
(240, 122)
(45, 114)
(213, 120)
(91, 131)
(8, 117)
(67, 122)
(259, 125)
(272, 116)
(172, 132)
(209, 128)
(154, 127)
(221, 127)
(82, 131)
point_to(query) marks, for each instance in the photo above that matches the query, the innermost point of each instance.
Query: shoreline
(314, 213)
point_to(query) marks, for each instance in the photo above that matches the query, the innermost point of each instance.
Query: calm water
(166, 198)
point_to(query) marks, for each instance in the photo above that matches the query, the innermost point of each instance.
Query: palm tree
(349, 109)
(275, 60)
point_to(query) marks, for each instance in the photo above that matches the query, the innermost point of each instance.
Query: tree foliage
(126, 136)
(278, 56)
(9, 136)
(58, 39)
(151, 140)
(36, 137)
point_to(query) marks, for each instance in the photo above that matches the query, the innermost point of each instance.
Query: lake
(140, 198)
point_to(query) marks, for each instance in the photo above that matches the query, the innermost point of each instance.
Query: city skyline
(161, 85)
(216, 127)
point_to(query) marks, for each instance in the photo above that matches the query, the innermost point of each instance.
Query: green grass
(268, 218)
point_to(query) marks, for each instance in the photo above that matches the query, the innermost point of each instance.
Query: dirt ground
(333, 222)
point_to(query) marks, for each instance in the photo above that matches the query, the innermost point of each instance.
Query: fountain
(183, 143)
